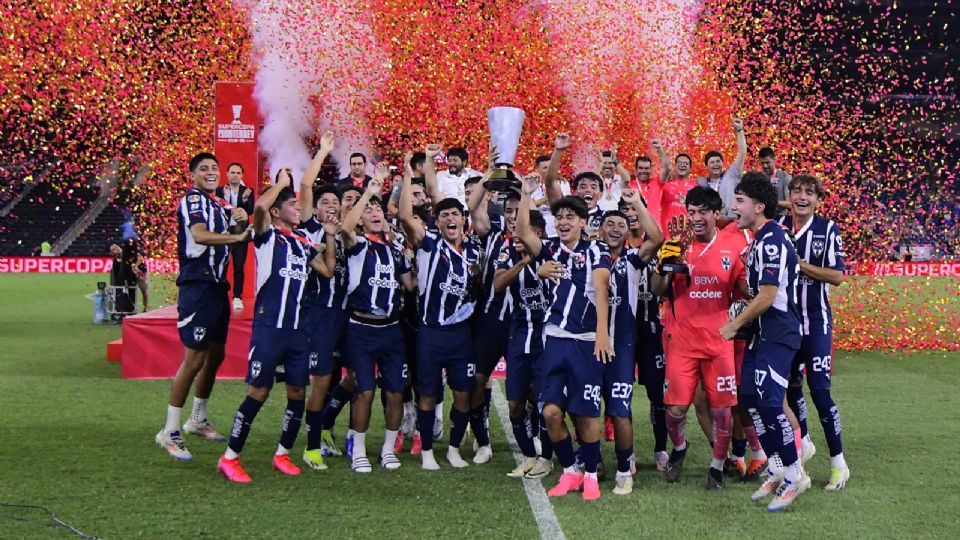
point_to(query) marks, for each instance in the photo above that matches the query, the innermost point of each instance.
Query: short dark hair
(642, 158)
(511, 196)
(458, 151)
(285, 195)
(680, 155)
(323, 189)
(573, 203)
(375, 201)
(472, 180)
(343, 189)
(588, 175)
(606, 153)
(422, 213)
(197, 159)
(614, 213)
(359, 155)
(537, 221)
(710, 154)
(766, 152)
(542, 159)
(418, 159)
(235, 164)
(447, 204)
(808, 180)
(705, 197)
(757, 186)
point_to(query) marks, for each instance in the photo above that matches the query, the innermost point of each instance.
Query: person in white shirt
(615, 177)
(450, 182)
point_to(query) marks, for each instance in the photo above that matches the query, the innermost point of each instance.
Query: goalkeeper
(696, 307)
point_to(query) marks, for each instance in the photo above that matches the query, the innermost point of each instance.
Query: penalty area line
(537, 496)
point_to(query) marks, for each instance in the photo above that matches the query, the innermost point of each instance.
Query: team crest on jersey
(817, 246)
(503, 256)
(578, 260)
(193, 198)
(772, 251)
(199, 333)
(620, 266)
(255, 368)
(726, 262)
(750, 258)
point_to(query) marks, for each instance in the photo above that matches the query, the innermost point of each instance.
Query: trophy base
(675, 268)
(503, 179)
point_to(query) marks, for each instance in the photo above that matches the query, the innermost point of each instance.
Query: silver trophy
(505, 123)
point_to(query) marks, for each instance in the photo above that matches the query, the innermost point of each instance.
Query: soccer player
(447, 265)
(772, 269)
(377, 268)
(577, 343)
(284, 260)
(516, 273)
(627, 267)
(203, 240)
(698, 305)
(820, 251)
(587, 185)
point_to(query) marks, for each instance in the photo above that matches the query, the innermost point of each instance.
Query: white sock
(230, 454)
(591, 475)
(794, 472)
(359, 445)
(173, 419)
(759, 455)
(682, 447)
(571, 469)
(806, 439)
(439, 411)
(199, 412)
(389, 439)
(838, 461)
(282, 451)
(775, 465)
(716, 464)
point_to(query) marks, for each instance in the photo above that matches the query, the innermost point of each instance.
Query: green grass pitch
(79, 440)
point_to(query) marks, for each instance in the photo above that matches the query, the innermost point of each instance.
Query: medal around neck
(505, 124)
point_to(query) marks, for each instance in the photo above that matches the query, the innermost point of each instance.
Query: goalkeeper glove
(670, 251)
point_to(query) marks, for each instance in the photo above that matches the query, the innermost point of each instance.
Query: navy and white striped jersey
(282, 271)
(445, 277)
(528, 297)
(321, 291)
(491, 300)
(624, 297)
(375, 268)
(818, 243)
(199, 262)
(772, 260)
(573, 310)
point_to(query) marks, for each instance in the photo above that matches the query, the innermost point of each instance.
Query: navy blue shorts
(814, 361)
(277, 352)
(380, 346)
(524, 368)
(618, 382)
(326, 331)
(490, 336)
(651, 364)
(574, 376)
(766, 371)
(203, 314)
(449, 348)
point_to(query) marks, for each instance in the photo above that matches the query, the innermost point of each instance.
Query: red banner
(76, 265)
(236, 130)
(909, 269)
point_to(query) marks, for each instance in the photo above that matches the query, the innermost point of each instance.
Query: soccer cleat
(838, 478)
(398, 445)
(233, 470)
(438, 429)
(624, 484)
(543, 467)
(769, 485)
(608, 428)
(675, 465)
(453, 456)
(237, 304)
(807, 451)
(714, 479)
(428, 462)
(661, 458)
(282, 463)
(787, 492)
(348, 444)
(314, 460)
(204, 429)
(738, 469)
(568, 482)
(591, 489)
(537, 446)
(389, 462)
(361, 465)
(756, 470)
(417, 445)
(523, 468)
(633, 465)
(328, 445)
(173, 443)
(483, 455)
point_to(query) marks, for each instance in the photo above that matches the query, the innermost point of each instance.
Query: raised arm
(525, 233)
(478, 201)
(553, 171)
(261, 210)
(653, 235)
(412, 226)
(621, 170)
(429, 172)
(664, 158)
(741, 144)
(326, 265)
(349, 230)
(310, 176)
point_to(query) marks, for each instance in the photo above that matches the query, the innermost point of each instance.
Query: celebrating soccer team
(713, 292)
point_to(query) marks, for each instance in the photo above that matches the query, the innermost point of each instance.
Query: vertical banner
(236, 129)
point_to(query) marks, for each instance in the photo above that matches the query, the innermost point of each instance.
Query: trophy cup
(505, 126)
(679, 229)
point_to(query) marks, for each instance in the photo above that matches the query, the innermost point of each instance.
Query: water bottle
(100, 304)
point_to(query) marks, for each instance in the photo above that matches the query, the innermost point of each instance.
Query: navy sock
(314, 427)
(425, 425)
(799, 407)
(524, 436)
(829, 418)
(337, 399)
(242, 420)
(778, 434)
(546, 445)
(459, 421)
(478, 424)
(591, 456)
(564, 450)
(534, 419)
(623, 459)
(658, 419)
(292, 417)
(407, 393)
(739, 447)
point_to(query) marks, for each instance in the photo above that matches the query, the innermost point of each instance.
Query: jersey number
(727, 384)
(621, 390)
(591, 393)
(660, 362)
(822, 364)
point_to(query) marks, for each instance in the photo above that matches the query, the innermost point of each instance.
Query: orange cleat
(233, 470)
(282, 463)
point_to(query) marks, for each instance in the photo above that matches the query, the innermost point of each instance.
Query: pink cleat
(233, 470)
(591, 489)
(568, 482)
(282, 463)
